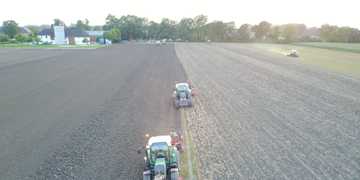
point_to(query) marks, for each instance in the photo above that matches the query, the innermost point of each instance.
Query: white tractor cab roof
(293, 51)
(158, 139)
(182, 84)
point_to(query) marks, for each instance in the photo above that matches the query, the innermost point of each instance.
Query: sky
(309, 12)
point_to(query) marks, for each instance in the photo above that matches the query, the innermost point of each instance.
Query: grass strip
(188, 164)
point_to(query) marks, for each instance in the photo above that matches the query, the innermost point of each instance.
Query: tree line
(10, 32)
(199, 29)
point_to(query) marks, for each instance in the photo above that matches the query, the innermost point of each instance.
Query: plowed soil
(83, 114)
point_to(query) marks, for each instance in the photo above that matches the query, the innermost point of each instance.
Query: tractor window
(159, 146)
(158, 150)
(182, 88)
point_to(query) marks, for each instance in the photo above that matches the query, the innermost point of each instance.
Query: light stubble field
(261, 117)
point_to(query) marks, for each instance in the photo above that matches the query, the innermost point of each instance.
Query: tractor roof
(182, 84)
(182, 87)
(157, 139)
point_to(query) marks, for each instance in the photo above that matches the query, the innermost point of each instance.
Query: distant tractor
(183, 95)
(293, 53)
(162, 159)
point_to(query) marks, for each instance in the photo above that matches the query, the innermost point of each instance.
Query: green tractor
(162, 159)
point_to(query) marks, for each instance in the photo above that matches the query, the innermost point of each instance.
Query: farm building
(22, 30)
(46, 36)
(95, 36)
(77, 36)
(72, 36)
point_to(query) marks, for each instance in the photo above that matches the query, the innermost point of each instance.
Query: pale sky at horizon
(309, 12)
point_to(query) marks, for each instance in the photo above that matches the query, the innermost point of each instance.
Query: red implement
(176, 140)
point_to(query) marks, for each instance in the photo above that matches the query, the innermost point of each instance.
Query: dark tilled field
(82, 114)
(257, 116)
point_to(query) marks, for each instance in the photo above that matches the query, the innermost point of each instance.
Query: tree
(23, 38)
(354, 36)
(292, 32)
(97, 28)
(10, 28)
(262, 30)
(327, 33)
(199, 28)
(83, 25)
(311, 35)
(200, 21)
(167, 29)
(300, 30)
(330, 33)
(230, 32)
(244, 32)
(289, 33)
(4, 38)
(111, 22)
(343, 34)
(153, 30)
(220, 31)
(185, 29)
(34, 29)
(114, 35)
(132, 27)
(58, 22)
(215, 31)
(275, 33)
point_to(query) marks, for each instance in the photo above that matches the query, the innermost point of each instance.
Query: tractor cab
(293, 53)
(158, 150)
(161, 159)
(183, 95)
(183, 88)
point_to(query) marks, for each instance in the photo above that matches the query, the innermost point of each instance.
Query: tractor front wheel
(147, 175)
(174, 173)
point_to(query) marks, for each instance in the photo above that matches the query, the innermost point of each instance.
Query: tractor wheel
(174, 173)
(147, 175)
(191, 103)
(177, 106)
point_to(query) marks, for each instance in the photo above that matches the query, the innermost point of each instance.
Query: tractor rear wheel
(177, 105)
